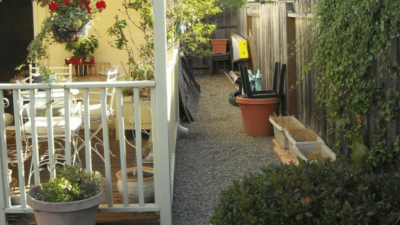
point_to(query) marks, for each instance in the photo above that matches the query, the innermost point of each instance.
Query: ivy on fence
(345, 38)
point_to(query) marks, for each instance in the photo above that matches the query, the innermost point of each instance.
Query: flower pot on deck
(133, 185)
(81, 212)
(255, 114)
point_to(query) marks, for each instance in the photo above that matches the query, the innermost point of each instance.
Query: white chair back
(64, 73)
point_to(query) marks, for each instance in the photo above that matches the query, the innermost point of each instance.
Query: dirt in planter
(133, 175)
(288, 123)
(302, 134)
(312, 154)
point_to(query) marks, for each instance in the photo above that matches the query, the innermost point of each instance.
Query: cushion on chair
(42, 112)
(95, 112)
(58, 125)
(8, 119)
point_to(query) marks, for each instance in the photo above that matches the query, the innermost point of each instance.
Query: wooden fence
(275, 28)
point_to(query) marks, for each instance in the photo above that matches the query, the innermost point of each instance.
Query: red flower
(88, 9)
(53, 6)
(101, 5)
(66, 2)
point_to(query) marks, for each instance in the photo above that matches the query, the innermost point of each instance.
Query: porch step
(102, 219)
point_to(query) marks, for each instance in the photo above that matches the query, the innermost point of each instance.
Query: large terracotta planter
(255, 114)
(81, 212)
(219, 45)
(133, 186)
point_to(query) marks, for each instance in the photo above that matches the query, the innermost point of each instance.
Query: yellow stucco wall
(102, 21)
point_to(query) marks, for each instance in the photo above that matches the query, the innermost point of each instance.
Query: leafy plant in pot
(72, 197)
(69, 20)
(82, 51)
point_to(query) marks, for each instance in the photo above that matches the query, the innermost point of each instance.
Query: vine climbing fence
(276, 28)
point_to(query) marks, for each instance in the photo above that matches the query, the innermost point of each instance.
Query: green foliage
(197, 30)
(323, 192)
(71, 184)
(343, 41)
(231, 4)
(83, 47)
(185, 13)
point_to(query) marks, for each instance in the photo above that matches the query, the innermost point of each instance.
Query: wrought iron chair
(41, 122)
(8, 118)
(96, 113)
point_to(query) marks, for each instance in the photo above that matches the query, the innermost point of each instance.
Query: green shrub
(314, 193)
(71, 184)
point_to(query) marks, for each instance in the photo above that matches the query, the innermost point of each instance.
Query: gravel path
(214, 153)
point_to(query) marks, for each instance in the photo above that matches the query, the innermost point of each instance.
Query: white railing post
(4, 164)
(160, 49)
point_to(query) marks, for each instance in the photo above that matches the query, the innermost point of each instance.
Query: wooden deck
(98, 165)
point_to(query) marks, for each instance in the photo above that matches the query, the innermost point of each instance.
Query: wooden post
(291, 32)
(249, 30)
(160, 49)
(3, 166)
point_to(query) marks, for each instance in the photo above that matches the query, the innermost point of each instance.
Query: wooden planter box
(219, 45)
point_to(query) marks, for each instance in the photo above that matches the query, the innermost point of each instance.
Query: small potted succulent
(72, 197)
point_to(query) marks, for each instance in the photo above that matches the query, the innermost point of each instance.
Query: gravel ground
(214, 153)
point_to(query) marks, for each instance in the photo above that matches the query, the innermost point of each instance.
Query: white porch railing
(5, 200)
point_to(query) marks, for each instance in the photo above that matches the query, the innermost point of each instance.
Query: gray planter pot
(64, 213)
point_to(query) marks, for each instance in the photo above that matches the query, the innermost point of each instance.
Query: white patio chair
(11, 148)
(95, 111)
(63, 73)
(8, 118)
(58, 129)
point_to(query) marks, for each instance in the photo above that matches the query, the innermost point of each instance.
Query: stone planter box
(302, 146)
(279, 133)
(310, 151)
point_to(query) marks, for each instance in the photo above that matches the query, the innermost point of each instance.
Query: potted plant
(132, 180)
(69, 20)
(72, 197)
(82, 51)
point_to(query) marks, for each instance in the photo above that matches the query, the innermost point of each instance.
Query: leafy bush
(314, 193)
(71, 184)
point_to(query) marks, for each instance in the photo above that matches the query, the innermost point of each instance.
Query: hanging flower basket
(69, 35)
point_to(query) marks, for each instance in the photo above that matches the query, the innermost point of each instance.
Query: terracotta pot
(81, 212)
(219, 45)
(255, 114)
(133, 186)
